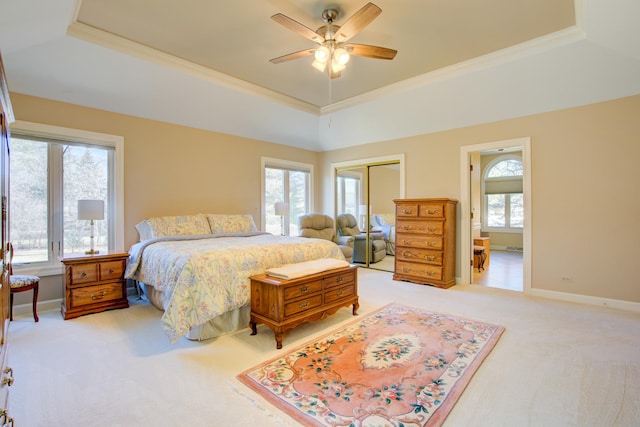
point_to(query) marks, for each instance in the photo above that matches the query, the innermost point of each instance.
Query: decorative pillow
(186, 225)
(234, 223)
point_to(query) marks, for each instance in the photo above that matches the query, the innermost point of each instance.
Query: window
(503, 198)
(50, 170)
(348, 193)
(289, 183)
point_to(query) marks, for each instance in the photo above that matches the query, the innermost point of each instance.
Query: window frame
(273, 163)
(485, 204)
(116, 142)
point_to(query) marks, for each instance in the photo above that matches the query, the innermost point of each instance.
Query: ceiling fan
(333, 52)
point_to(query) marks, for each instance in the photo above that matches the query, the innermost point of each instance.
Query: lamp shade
(281, 208)
(90, 209)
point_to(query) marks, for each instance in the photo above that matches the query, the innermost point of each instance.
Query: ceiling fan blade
(376, 52)
(297, 27)
(291, 56)
(357, 22)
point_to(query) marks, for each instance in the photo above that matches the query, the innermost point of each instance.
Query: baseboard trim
(587, 299)
(25, 309)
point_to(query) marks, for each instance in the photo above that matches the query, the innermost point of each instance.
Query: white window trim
(273, 162)
(95, 138)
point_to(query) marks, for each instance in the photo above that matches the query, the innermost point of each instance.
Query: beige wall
(385, 186)
(585, 201)
(169, 169)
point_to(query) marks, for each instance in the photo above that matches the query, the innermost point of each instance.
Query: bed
(387, 224)
(196, 269)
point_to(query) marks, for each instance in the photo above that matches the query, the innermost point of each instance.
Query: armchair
(348, 226)
(321, 226)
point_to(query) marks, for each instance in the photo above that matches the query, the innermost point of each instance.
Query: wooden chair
(22, 283)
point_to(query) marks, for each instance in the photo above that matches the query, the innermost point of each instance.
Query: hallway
(503, 272)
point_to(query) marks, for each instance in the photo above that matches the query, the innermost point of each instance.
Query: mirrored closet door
(364, 199)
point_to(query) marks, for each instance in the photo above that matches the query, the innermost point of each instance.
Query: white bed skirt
(224, 324)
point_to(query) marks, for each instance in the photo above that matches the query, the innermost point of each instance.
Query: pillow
(385, 219)
(235, 223)
(186, 225)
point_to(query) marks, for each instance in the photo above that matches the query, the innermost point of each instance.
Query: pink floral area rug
(398, 366)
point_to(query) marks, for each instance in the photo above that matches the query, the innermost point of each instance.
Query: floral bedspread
(209, 275)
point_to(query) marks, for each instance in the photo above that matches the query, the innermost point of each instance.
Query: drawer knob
(304, 289)
(339, 293)
(5, 419)
(8, 378)
(406, 227)
(406, 270)
(111, 271)
(406, 254)
(304, 304)
(429, 258)
(407, 211)
(406, 242)
(339, 279)
(432, 211)
(83, 274)
(100, 296)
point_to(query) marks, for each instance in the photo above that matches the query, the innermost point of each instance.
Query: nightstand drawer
(96, 294)
(84, 273)
(112, 270)
(305, 304)
(293, 292)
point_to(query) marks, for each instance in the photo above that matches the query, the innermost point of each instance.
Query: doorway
(508, 271)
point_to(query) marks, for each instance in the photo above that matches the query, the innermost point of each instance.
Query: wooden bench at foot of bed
(284, 304)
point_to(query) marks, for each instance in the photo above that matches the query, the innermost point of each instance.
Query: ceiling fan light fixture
(320, 66)
(322, 54)
(341, 56)
(337, 67)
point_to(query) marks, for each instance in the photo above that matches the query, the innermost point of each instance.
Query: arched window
(503, 198)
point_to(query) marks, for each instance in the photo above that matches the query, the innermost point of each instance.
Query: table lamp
(282, 209)
(91, 210)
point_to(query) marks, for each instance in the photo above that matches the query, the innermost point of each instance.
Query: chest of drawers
(94, 283)
(426, 241)
(284, 304)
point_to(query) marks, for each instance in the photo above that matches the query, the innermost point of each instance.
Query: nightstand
(93, 283)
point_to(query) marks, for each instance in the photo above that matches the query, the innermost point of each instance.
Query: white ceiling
(205, 64)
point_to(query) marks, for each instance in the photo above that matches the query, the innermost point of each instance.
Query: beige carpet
(557, 364)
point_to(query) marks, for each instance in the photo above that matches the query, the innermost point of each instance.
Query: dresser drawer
(407, 210)
(112, 270)
(95, 294)
(419, 242)
(83, 273)
(419, 270)
(431, 210)
(304, 304)
(339, 280)
(293, 292)
(422, 227)
(339, 293)
(419, 255)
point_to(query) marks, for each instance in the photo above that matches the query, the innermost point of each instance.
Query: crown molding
(111, 41)
(512, 53)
